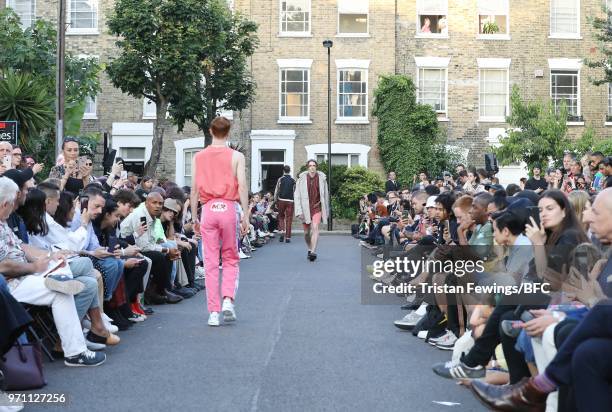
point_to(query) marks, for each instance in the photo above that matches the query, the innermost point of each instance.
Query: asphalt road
(303, 342)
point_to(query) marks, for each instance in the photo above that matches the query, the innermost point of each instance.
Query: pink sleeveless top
(215, 178)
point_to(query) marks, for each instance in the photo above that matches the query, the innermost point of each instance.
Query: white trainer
(213, 319)
(229, 315)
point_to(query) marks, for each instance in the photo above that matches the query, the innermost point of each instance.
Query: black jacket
(392, 186)
(285, 187)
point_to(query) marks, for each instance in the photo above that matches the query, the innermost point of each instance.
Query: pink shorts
(316, 219)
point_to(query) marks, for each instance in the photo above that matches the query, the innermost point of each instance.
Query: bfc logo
(219, 207)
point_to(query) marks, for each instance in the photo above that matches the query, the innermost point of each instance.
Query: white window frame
(439, 63)
(609, 114)
(340, 148)
(422, 6)
(564, 35)
(293, 64)
(350, 12)
(282, 33)
(181, 146)
(494, 64)
(353, 64)
(32, 17)
(147, 114)
(83, 31)
(567, 65)
(91, 115)
(504, 10)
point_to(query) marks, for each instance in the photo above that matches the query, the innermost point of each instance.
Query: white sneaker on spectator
(229, 314)
(242, 254)
(422, 334)
(447, 342)
(9, 404)
(86, 323)
(199, 272)
(260, 233)
(213, 319)
(408, 321)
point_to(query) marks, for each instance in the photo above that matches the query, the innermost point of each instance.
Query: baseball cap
(431, 201)
(20, 177)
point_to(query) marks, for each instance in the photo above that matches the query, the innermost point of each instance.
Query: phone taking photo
(534, 212)
(7, 161)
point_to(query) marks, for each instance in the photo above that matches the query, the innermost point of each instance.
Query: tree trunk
(159, 130)
(207, 137)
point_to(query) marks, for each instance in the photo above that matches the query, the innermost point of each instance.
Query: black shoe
(281, 238)
(288, 240)
(185, 293)
(309, 256)
(118, 319)
(148, 311)
(172, 298)
(86, 358)
(152, 298)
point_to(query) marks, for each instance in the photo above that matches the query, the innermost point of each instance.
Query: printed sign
(9, 131)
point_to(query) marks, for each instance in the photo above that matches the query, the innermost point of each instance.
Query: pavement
(303, 342)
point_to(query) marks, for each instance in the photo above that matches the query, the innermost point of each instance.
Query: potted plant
(490, 27)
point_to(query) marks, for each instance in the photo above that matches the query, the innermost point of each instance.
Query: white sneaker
(213, 319)
(86, 323)
(447, 342)
(199, 272)
(242, 254)
(260, 233)
(229, 315)
(422, 334)
(409, 321)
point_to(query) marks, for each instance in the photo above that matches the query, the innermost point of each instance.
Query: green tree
(161, 45)
(26, 100)
(225, 82)
(409, 138)
(29, 58)
(537, 133)
(603, 36)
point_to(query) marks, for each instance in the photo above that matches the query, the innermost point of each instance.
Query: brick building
(464, 57)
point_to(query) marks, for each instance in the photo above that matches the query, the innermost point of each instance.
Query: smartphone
(143, 220)
(124, 175)
(84, 202)
(534, 212)
(82, 161)
(405, 214)
(7, 161)
(112, 244)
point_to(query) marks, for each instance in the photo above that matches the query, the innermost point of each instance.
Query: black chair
(43, 328)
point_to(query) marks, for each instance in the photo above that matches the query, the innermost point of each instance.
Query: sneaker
(213, 319)
(137, 318)
(199, 272)
(422, 334)
(447, 342)
(288, 240)
(64, 284)
(367, 245)
(93, 346)
(243, 255)
(458, 370)
(87, 358)
(281, 238)
(408, 321)
(229, 314)
(438, 337)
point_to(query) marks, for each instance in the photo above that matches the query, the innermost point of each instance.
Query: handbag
(22, 367)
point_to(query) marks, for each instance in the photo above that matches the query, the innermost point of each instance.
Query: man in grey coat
(312, 204)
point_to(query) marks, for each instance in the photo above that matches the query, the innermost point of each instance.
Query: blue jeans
(82, 270)
(172, 244)
(3, 284)
(112, 270)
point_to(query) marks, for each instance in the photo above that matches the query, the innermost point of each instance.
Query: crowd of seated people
(532, 349)
(97, 252)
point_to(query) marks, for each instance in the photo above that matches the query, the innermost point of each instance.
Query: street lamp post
(328, 45)
(60, 79)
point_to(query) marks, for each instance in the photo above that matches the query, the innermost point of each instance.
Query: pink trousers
(220, 226)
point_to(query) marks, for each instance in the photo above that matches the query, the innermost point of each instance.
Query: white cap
(431, 201)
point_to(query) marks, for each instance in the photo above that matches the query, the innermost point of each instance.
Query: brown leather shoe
(520, 397)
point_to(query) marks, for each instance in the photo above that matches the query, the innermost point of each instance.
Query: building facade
(464, 57)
